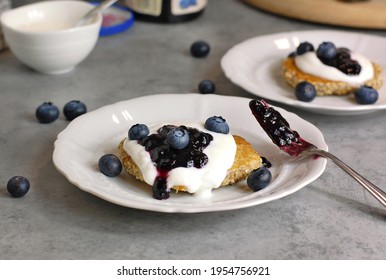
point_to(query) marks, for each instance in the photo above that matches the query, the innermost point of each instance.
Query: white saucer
(88, 137)
(255, 65)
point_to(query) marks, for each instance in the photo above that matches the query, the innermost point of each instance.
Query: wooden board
(370, 14)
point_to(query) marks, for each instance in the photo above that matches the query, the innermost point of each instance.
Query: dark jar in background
(166, 11)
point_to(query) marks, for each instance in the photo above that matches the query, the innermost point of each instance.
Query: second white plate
(255, 65)
(88, 137)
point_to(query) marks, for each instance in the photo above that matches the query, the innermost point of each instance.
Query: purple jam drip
(167, 158)
(278, 129)
(343, 62)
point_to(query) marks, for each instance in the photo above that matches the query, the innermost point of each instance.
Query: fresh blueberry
(304, 47)
(259, 179)
(110, 165)
(199, 49)
(366, 95)
(178, 138)
(326, 51)
(47, 112)
(305, 91)
(217, 124)
(138, 131)
(74, 109)
(18, 186)
(206, 86)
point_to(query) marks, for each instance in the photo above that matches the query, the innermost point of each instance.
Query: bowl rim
(95, 23)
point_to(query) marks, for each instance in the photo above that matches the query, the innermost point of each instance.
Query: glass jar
(166, 11)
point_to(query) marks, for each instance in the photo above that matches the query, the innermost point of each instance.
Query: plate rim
(62, 136)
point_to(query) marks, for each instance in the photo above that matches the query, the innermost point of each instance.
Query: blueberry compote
(278, 128)
(167, 158)
(343, 62)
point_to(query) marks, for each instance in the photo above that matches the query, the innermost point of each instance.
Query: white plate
(79, 147)
(255, 65)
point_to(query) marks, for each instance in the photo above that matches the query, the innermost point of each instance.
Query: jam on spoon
(290, 142)
(278, 129)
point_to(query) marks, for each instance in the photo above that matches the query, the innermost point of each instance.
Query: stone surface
(331, 218)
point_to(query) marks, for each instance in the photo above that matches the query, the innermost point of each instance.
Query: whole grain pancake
(246, 160)
(293, 75)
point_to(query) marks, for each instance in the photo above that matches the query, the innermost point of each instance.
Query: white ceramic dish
(255, 65)
(79, 147)
(43, 35)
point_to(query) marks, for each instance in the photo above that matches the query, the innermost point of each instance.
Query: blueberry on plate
(326, 51)
(74, 109)
(199, 49)
(259, 179)
(47, 112)
(18, 186)
(304, 47)
(178, 138)
(217, 124)
(206, 86)
(366, 95)
(110, 165)
(305, 91)
(138, 131)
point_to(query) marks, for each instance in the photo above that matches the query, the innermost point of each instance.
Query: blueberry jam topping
(278, 128)
(343, 62)
(266, 162)
(166, 157)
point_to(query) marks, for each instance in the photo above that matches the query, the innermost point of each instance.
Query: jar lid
(115, 19)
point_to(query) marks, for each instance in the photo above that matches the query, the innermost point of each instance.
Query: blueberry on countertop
(18, 186)
(47, 112)
(200, 49)
(259, 179)
(206, 86)
(305, 91)
(178, 138)
(304, 47)
(366, 95)
(138, 131)
(73, 109)
(110, 165)
(217, 124)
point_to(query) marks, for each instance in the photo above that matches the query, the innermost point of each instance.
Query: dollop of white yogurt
(309, 63)
(221, 154)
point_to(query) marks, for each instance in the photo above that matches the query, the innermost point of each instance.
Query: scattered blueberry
(326, 50)
(200, 49)
(47, 112)
(305, 91)
(178, 138)
(259, 179)
(110, 165)
(206, 86)
(366, 95)
(74, 109)
(217, 124)
(304, 47)
(18, 186)
(138, 131)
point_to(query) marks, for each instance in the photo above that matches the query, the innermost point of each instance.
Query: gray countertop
(331, 218)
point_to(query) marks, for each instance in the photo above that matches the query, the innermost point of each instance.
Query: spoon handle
(379, 194)
(105, 4)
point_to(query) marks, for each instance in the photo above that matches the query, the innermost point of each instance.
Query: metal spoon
(104, 5)
(277, 128)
